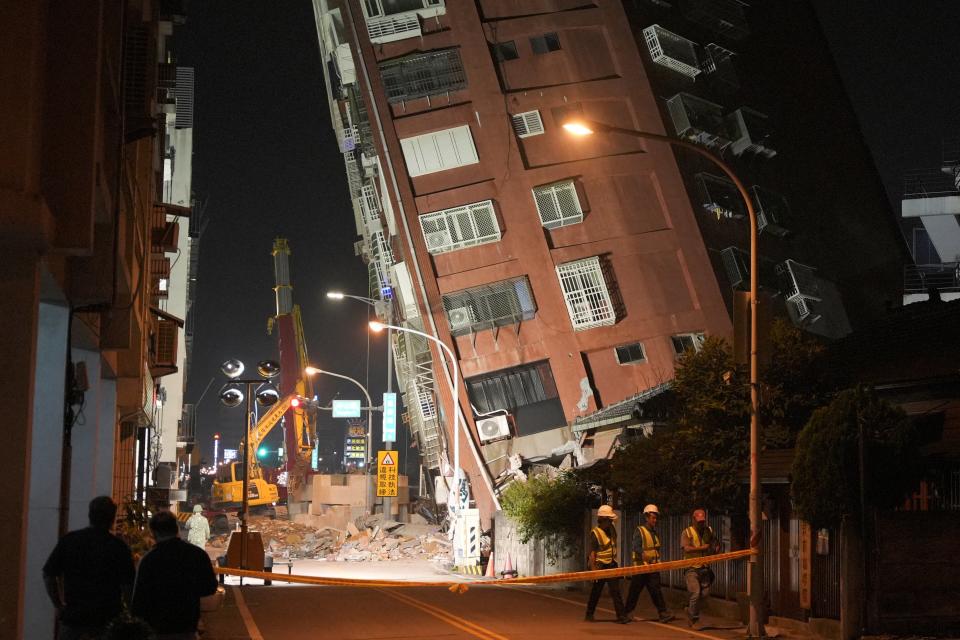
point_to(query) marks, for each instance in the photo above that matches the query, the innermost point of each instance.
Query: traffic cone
(491, 572)
(508, 570)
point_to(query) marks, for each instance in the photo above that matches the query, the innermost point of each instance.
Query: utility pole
(388, 502)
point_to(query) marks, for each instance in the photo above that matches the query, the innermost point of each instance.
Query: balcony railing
(921, 278)
(750, 132)
(699, 121)
(390, 28)
(929, 183)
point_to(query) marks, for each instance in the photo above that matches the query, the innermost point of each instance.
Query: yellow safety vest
(697, 542)
(607, 552)
(651, 547)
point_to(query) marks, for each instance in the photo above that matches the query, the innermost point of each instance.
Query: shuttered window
(586, 294)
(558, 204)
(460, 227)
(527, 124)
(439, 151)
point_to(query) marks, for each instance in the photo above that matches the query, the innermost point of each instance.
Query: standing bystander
(198, 528)
(89, 574)
(171, 579)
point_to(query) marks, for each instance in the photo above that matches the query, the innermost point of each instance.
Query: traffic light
(261, 452)
(295, 403)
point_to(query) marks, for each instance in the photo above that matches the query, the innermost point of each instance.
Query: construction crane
(300, 427)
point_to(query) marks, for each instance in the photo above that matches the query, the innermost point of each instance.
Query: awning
(621, 413)
(160, 313)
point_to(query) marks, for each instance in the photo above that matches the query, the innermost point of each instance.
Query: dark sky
(900, 61)
(266, 164)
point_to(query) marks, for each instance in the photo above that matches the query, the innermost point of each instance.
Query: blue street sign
(389, 417)
(346, 408)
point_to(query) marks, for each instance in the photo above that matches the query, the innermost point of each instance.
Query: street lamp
(312, 371)
(385, 309)
(579, 126)
(231, 396)
(377, 327)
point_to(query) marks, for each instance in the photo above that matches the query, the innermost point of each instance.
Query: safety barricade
(461, 587)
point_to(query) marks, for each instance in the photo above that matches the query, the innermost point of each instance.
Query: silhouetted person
(89, 574)
(171, 579)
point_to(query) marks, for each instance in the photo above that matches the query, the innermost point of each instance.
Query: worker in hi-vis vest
(698, 541)
(603, 555)
(646, 551)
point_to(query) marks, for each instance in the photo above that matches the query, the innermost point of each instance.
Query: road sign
(355, 448)
(387, 474)
(389, 417)
(346, 408)
(229, 454)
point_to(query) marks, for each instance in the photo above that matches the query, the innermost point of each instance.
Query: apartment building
(568, 274)
(82, 224)
(930, 218)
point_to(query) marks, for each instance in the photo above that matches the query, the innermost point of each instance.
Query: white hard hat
(651, 508)
(606, 511)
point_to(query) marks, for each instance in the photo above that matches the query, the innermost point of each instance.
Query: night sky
(266, 164)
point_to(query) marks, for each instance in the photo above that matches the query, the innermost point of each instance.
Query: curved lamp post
(311, 371)
(231, 395)
(578, 126)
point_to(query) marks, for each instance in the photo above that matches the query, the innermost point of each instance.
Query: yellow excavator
(261, 495)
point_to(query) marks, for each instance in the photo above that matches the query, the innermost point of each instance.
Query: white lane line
(252, 630)
(692, 632)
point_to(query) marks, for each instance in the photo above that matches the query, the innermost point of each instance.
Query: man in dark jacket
(171, 579)
(96, 571)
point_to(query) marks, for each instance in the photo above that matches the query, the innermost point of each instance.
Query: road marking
(252, 630)
(441, 614)
(692, 632)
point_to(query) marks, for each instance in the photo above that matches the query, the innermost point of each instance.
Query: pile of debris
(367, 539)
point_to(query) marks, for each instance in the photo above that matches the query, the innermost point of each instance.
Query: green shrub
(549, 510)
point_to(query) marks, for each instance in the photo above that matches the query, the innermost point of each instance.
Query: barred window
(504, 51)
(545, 44)
(460, 227)
(586, 294)
(423, 74)
(558, 204)
(527, 124)
(497, 304)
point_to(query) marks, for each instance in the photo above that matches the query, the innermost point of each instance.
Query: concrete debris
(370, 539)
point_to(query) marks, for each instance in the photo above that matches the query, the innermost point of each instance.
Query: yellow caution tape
(461, 587)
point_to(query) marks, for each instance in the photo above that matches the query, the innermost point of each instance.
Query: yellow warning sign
(387, 474)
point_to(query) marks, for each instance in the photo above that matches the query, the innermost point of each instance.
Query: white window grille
(370, 204)
(586, 294)
(684, 342)
(669, 50)
(423, 74)
(558, 204)
(439, 151)
(460, 227)
(496, 304)
(527, 124)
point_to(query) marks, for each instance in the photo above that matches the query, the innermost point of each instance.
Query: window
(497, 304)
(687, 342)
(527, 124)
(546, 43)
(528, 392)
(423, 74)
(460, 227)
(504, 51)
(439, 151)
(631, 353)
(392, 7)
(558, 204)
(585, 292)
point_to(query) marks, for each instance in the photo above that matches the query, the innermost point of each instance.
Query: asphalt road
(489, 613)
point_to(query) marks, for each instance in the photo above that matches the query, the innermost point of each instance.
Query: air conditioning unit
(493, 428)
(438, 240)
(460, 318)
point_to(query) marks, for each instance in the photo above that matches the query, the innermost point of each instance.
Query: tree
(549, 509)
(826, 469)
(698, 457)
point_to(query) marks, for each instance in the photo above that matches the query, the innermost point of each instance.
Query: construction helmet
(606, 511)
(651, 508)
